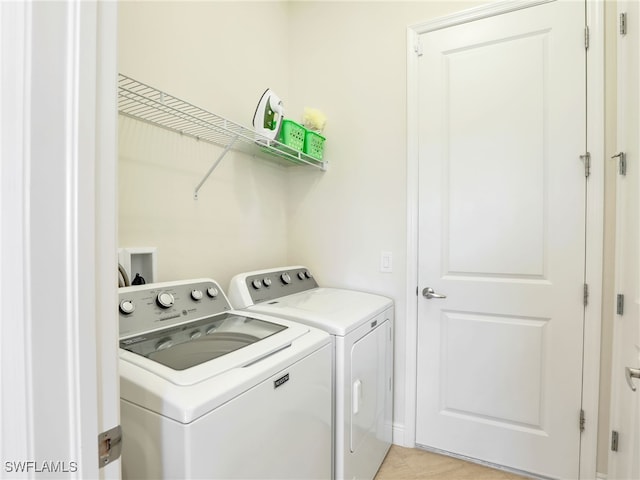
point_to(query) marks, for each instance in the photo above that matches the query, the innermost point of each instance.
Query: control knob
(212, 292)
(196, 294)
(165, 300)
(257, 284)
(127, 307)
(266, 281)
(301, 275)
(286, 279)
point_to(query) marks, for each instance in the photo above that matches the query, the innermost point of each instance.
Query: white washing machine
(208, 392)
(361, 326)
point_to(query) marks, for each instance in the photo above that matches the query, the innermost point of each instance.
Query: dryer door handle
(356, 396)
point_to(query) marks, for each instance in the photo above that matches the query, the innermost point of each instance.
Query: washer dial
(212, 292)
(165, 300)
(127, 306)
(286, 279)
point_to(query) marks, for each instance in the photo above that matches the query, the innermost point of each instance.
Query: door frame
(59, 331)
(594, 215)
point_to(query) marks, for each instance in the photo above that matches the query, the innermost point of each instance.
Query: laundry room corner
(347, 224)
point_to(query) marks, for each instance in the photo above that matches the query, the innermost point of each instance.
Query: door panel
(502, 235)
(499, 162)
(466, 339)
(625, 403)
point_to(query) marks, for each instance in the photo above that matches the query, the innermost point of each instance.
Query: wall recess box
(141, 260)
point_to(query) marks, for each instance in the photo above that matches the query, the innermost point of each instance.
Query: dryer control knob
(196, 294)
(257, 284)
(307, 274)
(212, 292)
(266, 281)
(301, 275)
(286, 279)
(127, 307)
(165, 300)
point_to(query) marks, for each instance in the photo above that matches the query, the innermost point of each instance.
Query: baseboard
(399, 436)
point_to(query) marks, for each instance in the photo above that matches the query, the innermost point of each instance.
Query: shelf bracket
(213, 167)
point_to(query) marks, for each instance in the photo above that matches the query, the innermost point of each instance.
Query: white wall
(220, 56)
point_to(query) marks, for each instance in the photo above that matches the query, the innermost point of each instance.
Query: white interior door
(502, 235)
(625, 414)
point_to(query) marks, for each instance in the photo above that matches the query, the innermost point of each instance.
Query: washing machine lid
(189, 353)
(185, 346)
(334, 310)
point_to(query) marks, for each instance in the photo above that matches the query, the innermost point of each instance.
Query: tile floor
(414, 464)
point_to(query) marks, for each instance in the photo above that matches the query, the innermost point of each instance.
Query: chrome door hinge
(585, 295)
(620, 304)
(614, 441)
(582, 420)
(586, 37)
(623, 24)
(622, 170)
(109, 446)
(586, 158)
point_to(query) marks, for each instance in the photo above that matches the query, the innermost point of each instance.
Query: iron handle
(429, 293)
(630, 373)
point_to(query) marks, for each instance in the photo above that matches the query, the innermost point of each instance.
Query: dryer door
(371, 363)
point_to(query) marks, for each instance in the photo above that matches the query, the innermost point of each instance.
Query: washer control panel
(271, 284)
(144, 308)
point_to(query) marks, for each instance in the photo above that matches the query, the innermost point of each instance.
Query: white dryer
(208, 392)
(361, 326)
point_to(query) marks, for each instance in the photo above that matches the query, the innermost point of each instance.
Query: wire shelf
(148, 104)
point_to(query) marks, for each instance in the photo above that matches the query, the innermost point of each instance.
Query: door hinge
(620, 304)
(585, 295)
(586, 37)
(417, 46)
(622, 170)
(582, 420)
(623, 24)
(109, 446)
(614, 441)
(586, 158)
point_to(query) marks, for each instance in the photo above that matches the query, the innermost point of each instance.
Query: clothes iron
(268, 115)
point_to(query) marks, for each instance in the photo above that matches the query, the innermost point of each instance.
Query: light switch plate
(386, 262)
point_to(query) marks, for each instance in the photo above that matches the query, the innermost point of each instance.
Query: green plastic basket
(292, 134)
(314, 144)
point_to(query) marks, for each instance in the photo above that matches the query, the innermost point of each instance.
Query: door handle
(630, 373)
(356, 396)
(429, 293)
